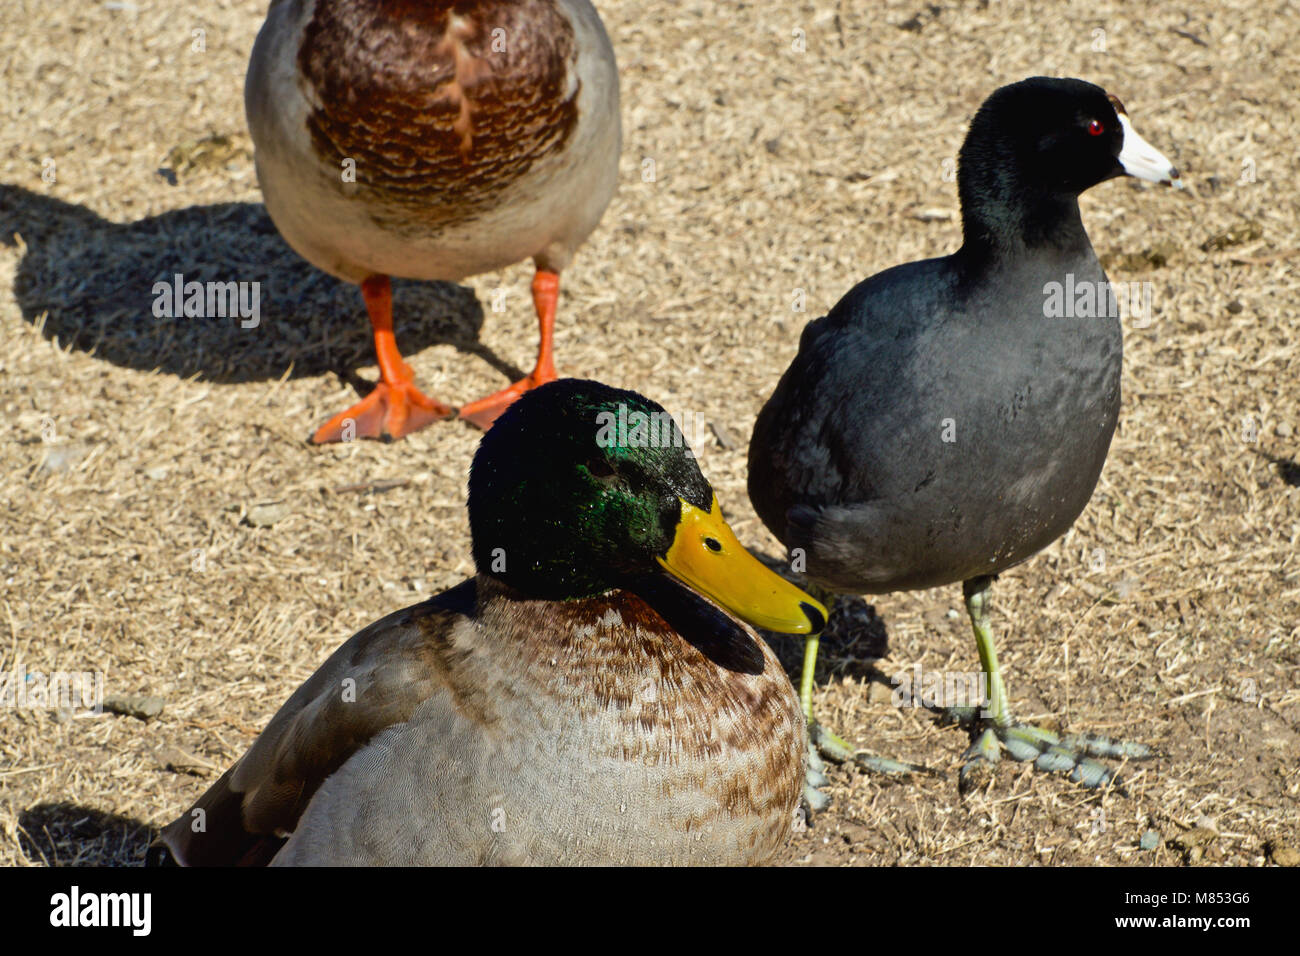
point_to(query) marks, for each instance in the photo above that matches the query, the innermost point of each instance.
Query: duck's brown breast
(576, 732)
(441, 104)
(706, 733)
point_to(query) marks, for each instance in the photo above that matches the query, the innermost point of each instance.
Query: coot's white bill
(1139, 158)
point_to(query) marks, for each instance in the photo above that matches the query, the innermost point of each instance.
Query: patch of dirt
(793, 147)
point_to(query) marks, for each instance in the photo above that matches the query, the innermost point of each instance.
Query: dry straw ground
(136, 450)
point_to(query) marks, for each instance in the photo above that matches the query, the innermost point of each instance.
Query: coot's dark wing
(835, 430)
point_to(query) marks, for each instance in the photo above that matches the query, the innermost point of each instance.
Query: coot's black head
(1033, 146)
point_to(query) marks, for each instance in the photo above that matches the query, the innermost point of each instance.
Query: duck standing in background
(944, 422)
(590, 696)
(433, 140)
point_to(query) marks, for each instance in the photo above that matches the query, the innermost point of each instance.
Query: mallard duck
(591, 695)
(433, 141)
(943, 423)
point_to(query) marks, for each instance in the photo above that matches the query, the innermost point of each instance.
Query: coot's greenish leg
(976, 592)
(810, 645)
(822, 744)
(992, 727)
(995, 729)
(815, 772)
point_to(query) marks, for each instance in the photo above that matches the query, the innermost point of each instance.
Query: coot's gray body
(937, 425)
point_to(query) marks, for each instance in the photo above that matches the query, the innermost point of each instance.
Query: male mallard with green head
(590, 696)
(433, 140)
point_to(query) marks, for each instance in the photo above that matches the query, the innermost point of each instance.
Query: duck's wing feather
(372, 682)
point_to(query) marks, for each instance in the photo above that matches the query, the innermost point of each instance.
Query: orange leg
(396, 406)
(546, 295)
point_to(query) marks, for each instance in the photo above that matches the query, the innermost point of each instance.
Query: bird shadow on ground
(854, 638)
(1287, 469)
(66, 834)
(89, 284)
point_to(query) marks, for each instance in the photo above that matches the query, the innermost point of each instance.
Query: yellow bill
(706, 556)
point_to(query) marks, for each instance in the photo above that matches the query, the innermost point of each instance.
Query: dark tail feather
(212, 833)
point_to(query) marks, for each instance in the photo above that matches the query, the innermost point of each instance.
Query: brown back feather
(393, 665)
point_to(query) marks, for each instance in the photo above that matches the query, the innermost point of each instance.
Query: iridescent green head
(580, 488)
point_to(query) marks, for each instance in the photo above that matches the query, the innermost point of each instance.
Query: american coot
(433, 141)
(939, 425)
(577, 701)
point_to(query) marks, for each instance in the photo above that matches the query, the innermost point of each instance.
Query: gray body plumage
(937, 426)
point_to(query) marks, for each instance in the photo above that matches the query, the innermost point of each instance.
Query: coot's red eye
(1095, 128)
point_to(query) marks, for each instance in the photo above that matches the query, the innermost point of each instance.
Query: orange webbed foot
(394, 409)
(487, 410)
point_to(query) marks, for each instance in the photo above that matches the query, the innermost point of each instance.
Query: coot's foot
(1049, 752)
(994, 730)
(824, 745)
